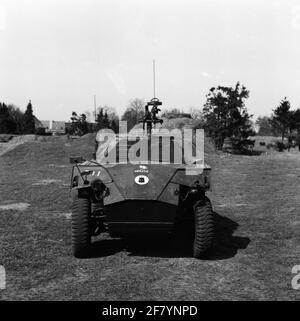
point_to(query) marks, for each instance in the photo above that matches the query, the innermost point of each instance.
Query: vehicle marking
(142, 169)
(141, 179)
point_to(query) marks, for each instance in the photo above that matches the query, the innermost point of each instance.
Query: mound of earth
(14, 142)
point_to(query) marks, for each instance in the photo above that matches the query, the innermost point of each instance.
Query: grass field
(256, 200)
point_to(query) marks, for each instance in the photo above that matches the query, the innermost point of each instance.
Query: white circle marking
(141, 179)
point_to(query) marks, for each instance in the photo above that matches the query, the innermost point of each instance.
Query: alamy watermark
(296, 279)
(164, 146)
(2, 278)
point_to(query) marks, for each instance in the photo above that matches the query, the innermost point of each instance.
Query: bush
(242, 146)
(280, 146)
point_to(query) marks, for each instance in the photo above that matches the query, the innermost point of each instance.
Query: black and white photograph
(149, 152)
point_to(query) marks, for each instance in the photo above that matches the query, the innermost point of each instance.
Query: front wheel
(204, 228)
(81, 230)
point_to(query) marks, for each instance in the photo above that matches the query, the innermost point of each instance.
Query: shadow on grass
(226, 245)
(102, 248)
(249, 153)
(177, 245)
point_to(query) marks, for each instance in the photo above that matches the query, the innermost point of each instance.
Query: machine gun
(150, 119)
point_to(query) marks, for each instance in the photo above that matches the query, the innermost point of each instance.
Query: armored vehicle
(124, 197)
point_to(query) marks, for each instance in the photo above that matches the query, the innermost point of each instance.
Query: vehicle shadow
(250, 153)
(107, 247)
(178, 245)
(226, 244)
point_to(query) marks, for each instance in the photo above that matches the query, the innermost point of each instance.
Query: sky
(60, 53)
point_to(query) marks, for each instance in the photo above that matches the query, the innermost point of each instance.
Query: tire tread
(204, 228)
(81, 236)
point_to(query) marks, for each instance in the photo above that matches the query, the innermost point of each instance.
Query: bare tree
(134, 112)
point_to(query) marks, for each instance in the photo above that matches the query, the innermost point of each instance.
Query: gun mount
(150, 118)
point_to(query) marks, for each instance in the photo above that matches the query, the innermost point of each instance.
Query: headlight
(99, 188)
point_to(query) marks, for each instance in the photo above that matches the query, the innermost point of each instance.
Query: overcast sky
(59, 53)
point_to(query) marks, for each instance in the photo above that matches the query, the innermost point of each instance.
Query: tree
(225, 115)
(281, 118)
(295, 124)
(113, 118)
(7, 123)
(295, 120)
(265, 127)
(106, 121)
(99, 120)
(79, 126)
(196, 113)
(114, 125)
(74, 124)
(83, 124)
(18, 117)
(134, 112)
(29, 120)
(89, 116)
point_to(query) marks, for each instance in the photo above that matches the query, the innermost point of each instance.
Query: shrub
(280, 146)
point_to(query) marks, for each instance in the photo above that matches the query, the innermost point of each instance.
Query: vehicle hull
(140, 216)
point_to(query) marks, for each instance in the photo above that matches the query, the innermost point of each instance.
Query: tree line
(14, 121)
(106, 117)
(283, 122)
(224, 115)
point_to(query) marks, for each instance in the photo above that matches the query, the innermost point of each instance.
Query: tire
(204, 228)
(81, 231)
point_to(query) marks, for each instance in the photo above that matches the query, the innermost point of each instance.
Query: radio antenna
(154, 78)
(150, 117)
(95, 108)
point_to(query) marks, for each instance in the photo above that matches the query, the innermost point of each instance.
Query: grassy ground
(256, 200)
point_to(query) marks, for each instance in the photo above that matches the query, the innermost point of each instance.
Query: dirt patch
(58, 166)
(235, 205)
(48, 182)
(67, 215)
(14, 206)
